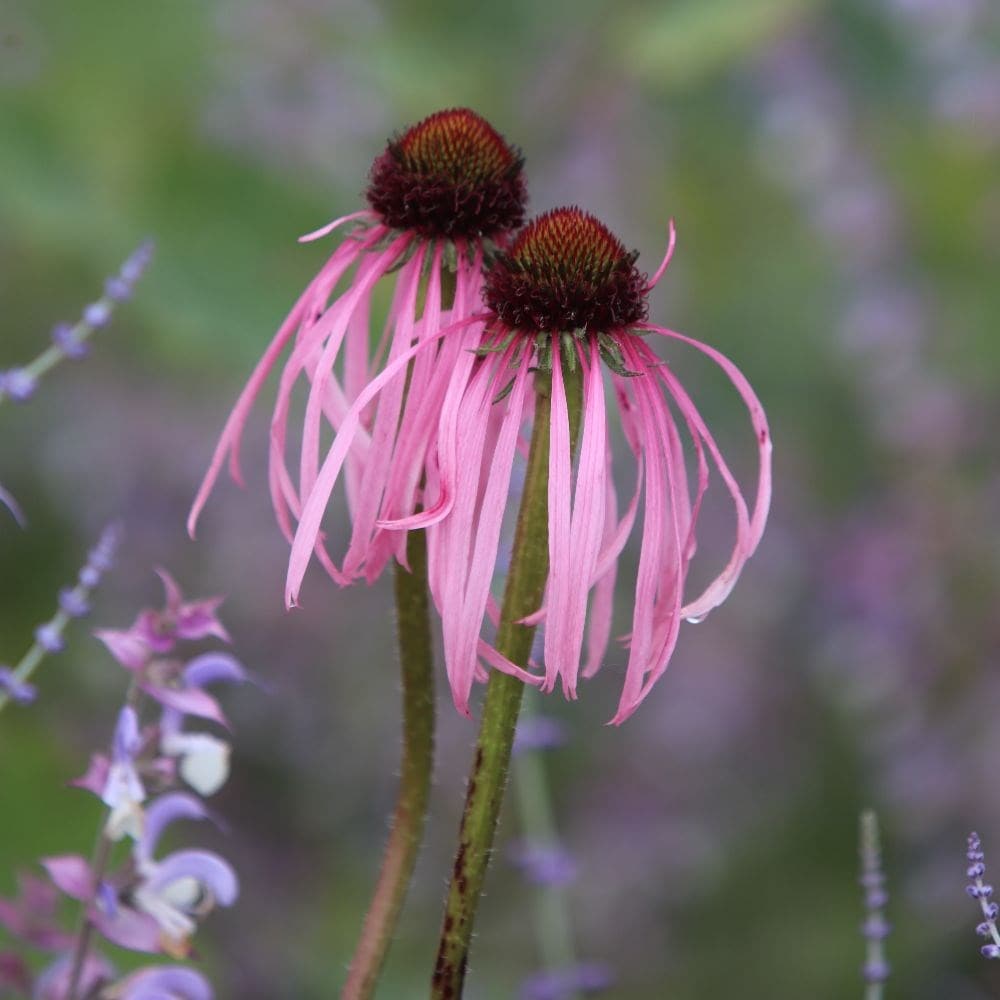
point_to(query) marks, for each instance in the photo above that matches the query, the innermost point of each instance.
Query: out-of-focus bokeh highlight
(834, 172)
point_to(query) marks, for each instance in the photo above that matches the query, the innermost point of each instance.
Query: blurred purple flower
(154, 904)
(164, 982)
(982, 892)
(539, 732)
(564, 984)
(543, 864)
(159, 631)
(54, 981)
(31, 915)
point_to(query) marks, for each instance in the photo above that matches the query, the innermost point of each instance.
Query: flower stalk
(529, 567)
(416, 659)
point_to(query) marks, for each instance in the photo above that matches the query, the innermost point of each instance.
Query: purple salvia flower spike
(874, 929)
(70, 341)
(982, 892)
(72, 602)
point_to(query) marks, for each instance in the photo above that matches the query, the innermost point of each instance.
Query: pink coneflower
(564, 303)
(443, 196)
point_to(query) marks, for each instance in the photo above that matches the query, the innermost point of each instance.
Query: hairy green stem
(416, 656)
(526, 578)
(417, 665)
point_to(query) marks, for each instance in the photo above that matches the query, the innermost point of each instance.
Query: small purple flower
(123, 791)
(979, 890)
(54, 982)
(73, 602)
(18, 383)
(97, 314)
(539, 732)
(49, 637)
(564, 984)
(17, 690)
(544, 864)
(158, 632)
(165, 982)
(66, 340)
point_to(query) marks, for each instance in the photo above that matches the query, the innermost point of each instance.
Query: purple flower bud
(544, 864)
(539, 732)
(875, 928)
(117, 288)
(49, 638)
(73, 602)
(17, 384)
(90, 576)
(983, 929)
(132, 269)
(97, 313)
(64, 337)
(974, 871)
(19, 691)
(876, 971)
(990, 951)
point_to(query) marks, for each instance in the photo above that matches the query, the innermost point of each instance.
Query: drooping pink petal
(453, 538)
(560, 503)
(317, 234)
(486, 542)
(312, 513)
(661, 270)
(762, 501)
(378, 467)
(232, 432)
(660, 575)
(588, 521)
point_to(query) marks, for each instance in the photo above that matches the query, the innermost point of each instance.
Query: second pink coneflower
(567, 305)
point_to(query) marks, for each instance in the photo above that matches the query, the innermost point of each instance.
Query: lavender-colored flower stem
(875, 928)
(488, 777)
(417, 668)
(70, 341)
(73, 603)
(531, 790)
